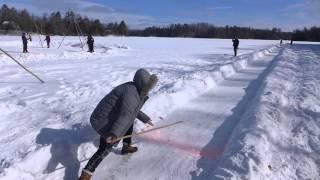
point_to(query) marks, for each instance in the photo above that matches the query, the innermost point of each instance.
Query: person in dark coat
(25, 43)
(235, 45)
(48, 40)
(90, 42)
(115, 114)
(281, 42)
(291, 42)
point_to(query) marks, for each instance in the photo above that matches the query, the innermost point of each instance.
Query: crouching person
(115, 114)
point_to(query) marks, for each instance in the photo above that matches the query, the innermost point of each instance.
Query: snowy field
(255, 116)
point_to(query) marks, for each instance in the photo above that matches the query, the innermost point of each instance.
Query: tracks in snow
(296, 149)
(192, 149)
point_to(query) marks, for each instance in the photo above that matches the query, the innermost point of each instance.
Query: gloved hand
(149, 122)
(110, 139)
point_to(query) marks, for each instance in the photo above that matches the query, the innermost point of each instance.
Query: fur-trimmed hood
(144, 81)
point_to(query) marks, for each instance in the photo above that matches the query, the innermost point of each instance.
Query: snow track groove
(279, 134)
(193, 149)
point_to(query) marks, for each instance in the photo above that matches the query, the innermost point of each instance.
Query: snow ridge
(194, 84)
(278, 137)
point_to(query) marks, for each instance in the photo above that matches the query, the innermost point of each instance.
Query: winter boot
(85, 175)
(126, 149)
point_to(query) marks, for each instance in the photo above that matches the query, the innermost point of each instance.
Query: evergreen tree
(122, 28)
(55, 24)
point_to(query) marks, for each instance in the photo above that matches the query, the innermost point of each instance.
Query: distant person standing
(281, 42)
(235, 45)
(291, 42)
(25, 43)
(90, 42)
(48, 40)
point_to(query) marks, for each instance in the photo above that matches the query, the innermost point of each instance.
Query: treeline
(13, 20)
(307, 34)
(71, 23)
(205, 30)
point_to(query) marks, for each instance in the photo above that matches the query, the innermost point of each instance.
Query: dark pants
(48, 44)
(103, 151)
(91, 48)
(25, 47)
(235, 49)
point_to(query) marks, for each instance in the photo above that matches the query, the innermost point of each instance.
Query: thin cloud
(314, 7)
(219, 8)
(98, 9)
(307, 7)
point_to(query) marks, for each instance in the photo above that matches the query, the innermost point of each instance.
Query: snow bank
(278, 132)
(173, 96)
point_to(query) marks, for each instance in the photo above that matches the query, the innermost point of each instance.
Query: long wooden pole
(75, 23)
(81, 35)
(79, 29)
(62, 40)
(39, 33)
(21, 65)
(124, 137)
(147, 131)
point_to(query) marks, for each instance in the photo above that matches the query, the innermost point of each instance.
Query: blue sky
(286, 14)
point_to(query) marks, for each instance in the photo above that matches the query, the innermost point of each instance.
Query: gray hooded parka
(116, 112)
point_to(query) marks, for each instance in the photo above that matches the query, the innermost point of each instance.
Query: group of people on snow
(26, 38)
(236, 43)
(291, 42)
(90, 43)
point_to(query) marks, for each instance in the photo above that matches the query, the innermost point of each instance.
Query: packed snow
(255, 116)
(279, 136)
